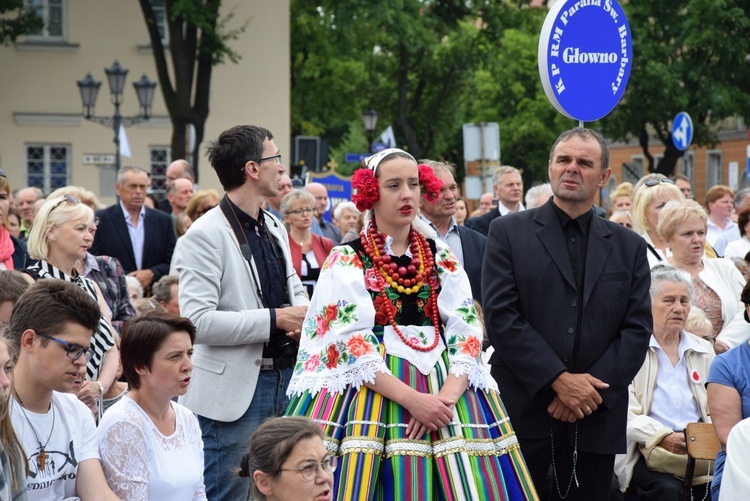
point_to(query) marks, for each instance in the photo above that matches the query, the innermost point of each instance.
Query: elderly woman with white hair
(538, 195)
(667, 393)
(346, 217)
(59, 237)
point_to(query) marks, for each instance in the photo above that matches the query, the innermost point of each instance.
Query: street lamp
(116, 74)
(370, 120)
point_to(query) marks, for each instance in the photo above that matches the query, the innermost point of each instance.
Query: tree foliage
(16, 21)
(411, 60)
(198, 40)
(427, 67)
(687, 56)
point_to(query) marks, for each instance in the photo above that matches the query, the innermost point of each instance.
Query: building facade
(726, 163)
(46, 142)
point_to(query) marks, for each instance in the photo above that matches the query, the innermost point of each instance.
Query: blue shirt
(731, 369)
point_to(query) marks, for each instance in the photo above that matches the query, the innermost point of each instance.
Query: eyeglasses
(655, 181)
(70, 199)
(306, 210)
(328, 465)
(73, 351)
(275, 158)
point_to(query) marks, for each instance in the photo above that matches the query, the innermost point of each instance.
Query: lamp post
(370, 120)
(116, 75)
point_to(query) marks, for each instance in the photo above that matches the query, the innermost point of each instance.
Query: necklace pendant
(42, 459)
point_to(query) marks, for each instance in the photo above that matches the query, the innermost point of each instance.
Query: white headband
(373, 161)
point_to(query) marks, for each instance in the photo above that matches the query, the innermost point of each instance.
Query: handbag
(661, 460)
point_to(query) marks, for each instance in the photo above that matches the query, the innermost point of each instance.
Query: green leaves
(687, 56)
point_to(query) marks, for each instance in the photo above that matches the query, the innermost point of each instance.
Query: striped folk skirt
(476, 457)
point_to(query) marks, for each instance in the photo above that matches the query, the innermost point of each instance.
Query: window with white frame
(633, 170)
(713, 168)
(159, 160)
(687, 165)
(52, 13)
(160, 14)
(47, 166)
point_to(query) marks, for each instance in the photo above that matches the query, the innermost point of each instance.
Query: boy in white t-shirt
(51, 329)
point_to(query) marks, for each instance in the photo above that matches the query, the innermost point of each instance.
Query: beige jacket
(644, 431)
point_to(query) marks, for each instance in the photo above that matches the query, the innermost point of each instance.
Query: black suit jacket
(112, 239)
(482, 223)
(530, 312)
(472, 246)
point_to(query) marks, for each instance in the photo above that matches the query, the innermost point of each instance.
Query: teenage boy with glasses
(50, 329)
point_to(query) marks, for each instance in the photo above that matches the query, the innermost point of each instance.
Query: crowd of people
(243, 346)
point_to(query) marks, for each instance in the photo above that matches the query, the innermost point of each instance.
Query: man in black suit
(508, 187)
(567, 309)
(141, 238)
(467, 245)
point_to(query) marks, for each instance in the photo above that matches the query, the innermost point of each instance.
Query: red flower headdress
(366, 184)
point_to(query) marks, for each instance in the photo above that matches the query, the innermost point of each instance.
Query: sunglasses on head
(3, 173)
(655, 181)
(70, 199)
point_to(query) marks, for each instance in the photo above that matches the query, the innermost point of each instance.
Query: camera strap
(247, 253)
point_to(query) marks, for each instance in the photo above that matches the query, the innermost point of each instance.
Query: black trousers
(657, 486)
(594, 471)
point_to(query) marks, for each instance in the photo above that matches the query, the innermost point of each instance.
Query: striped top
(102, 340)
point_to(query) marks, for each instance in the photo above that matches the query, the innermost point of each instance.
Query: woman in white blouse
(741, 246)
(717, 284)
(150, 446)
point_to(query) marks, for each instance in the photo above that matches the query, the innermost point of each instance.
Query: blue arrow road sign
(682, 131)
(355, 158)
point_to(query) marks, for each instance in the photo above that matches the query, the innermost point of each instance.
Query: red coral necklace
(404, 279)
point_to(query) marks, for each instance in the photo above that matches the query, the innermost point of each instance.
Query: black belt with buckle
(276, 364)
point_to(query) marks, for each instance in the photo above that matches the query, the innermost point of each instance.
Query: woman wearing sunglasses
(650, 194)
(287, 461)
(59, 237)
(309, 251)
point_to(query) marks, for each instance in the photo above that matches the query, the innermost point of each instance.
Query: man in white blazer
(238, 287)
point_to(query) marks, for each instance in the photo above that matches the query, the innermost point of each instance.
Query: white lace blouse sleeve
(124, 457)
(463, 329)
(337, 346)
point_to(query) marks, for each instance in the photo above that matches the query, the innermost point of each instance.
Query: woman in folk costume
(389, 360)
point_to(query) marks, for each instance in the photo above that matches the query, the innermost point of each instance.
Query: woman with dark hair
(390, 358)
(287, 461)
(741, 246)
(150, 446)
(462, 211)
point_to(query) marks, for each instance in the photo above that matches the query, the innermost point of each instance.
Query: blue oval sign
(682, 131)
(585, 55)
